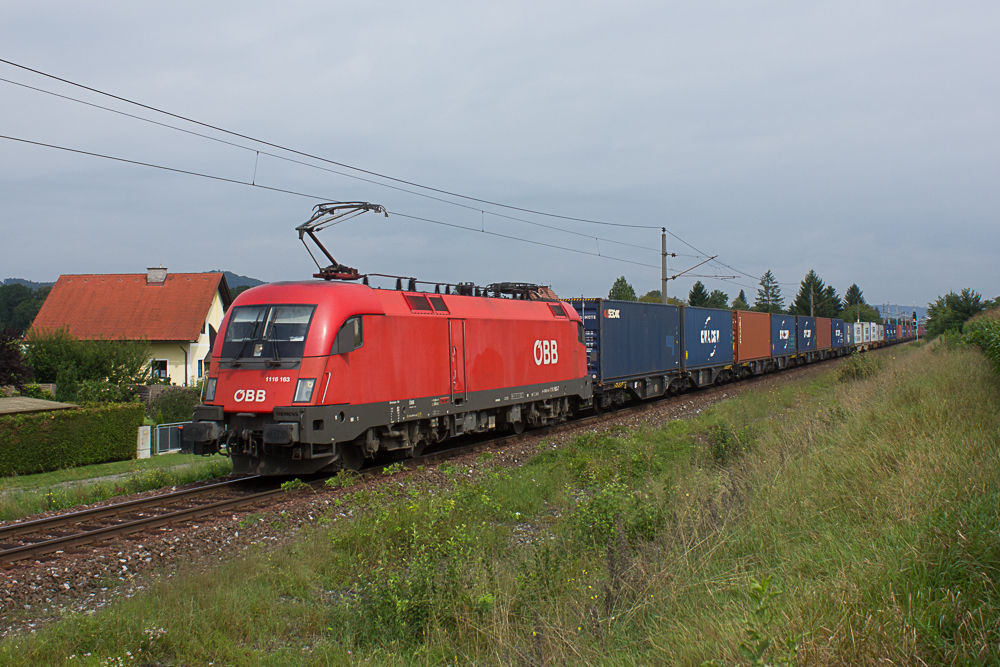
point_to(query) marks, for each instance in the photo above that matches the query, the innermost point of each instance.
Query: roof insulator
(399, 283)
(413, 285)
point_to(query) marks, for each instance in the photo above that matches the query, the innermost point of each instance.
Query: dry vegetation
(867, 498)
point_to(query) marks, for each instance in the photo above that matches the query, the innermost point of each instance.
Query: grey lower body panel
(305, 439)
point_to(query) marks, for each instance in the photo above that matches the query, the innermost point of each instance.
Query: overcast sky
(857, 139)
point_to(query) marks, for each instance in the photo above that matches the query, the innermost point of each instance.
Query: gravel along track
(39, 591)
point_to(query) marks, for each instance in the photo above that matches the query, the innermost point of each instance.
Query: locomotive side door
(456, 351)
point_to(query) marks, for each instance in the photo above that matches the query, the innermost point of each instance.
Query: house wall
(173, 351)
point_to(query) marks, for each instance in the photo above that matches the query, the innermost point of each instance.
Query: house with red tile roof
(178, 313)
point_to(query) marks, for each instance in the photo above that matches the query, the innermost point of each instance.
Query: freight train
(320, 375)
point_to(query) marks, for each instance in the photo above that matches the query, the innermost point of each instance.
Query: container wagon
(707, 345)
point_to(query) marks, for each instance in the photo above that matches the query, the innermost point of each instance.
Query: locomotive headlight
(304, 390)
(210, 390)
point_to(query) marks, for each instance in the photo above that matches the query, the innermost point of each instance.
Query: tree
(652, 296)
(718, 299)
(13, 370)
(239, 290)
(853, 296)
(769, 299)
(860, 312)
(816, 298)
(622, 291)
(951, 311)
(59, 357)
(19, 304)
(698, 296)
(740, 302)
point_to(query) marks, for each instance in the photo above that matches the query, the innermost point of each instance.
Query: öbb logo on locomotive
(546, 352)
(250, 396)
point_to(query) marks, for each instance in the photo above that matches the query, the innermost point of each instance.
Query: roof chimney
(156, 276)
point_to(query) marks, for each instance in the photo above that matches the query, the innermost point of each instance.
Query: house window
(201, 368)
(159, 368)
(204, 327)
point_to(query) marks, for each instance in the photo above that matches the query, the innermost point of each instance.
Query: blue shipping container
(708, 337)
(838, 334)
(627, 339)
(806, 333)
(782, 335)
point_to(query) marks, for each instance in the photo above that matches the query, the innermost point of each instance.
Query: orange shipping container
(824, 329)
(752, 336)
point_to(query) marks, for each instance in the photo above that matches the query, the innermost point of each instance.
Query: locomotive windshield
(267, 332)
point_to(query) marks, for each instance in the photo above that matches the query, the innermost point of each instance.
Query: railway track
(62, 533)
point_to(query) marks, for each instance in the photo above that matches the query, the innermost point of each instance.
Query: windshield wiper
(252, 336)
(275, 356)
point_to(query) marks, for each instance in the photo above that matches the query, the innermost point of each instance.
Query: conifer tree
(769, 299)
(718, 299)
(740, 302)
(698, 296)
(816, 298)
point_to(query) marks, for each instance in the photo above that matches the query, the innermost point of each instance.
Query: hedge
(984, 331)
(46, 441)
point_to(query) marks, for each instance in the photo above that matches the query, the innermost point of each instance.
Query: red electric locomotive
(314, 376)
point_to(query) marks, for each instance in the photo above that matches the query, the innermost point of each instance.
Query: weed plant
(871, 504)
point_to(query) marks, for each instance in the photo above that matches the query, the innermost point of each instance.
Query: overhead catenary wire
(322, 159)
(307, 195)
(258, 153)
(346, 166)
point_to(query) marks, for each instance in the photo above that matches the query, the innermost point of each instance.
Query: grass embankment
(870, 502)
(23, 495)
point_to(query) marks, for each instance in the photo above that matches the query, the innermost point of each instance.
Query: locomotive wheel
(517, 427)
(351, 457)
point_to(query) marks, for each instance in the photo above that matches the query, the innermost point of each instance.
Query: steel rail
(24, 527)
(149, 523)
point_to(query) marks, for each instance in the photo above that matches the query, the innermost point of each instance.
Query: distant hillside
(27, 283)
(235, 280)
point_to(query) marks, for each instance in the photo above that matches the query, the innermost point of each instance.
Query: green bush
(94, 392)
(51, 440)
(859, 367)
(120, 362)
(34, 391)
(984, 332)
(175, 404)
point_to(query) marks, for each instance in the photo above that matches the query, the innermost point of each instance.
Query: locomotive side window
(579, 332)
(557, 309)
(417, 302)
(349, 338)
(439, 304)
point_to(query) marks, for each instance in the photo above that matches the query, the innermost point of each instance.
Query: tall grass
(836, 522)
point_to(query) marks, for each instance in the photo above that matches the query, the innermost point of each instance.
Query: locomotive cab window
(273, 332)
(349, 338)
(579, 332)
